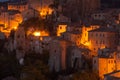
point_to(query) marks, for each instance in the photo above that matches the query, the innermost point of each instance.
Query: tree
(9, 65)
(36, 67)
(85, 75)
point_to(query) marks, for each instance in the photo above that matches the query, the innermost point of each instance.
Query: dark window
(18, 36)
(60, 27)
(109, 61)
(96, 34)
(94, 61)
(96, 42)
(103, 35)
(55, 51)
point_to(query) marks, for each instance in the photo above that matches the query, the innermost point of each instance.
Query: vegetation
(39, 24)
(85, 75)
(35, 67)
(9, 65)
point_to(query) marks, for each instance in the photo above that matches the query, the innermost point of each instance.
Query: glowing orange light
(36, 34)
(41, 13)
(15, 28)
(87, 44)
(102, 47)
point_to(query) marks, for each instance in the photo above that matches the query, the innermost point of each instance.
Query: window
(103, 42)
(109, 61)
(96, 34)
(114, 61)
(95, 15)
(55, 51)
(94, 61)
(96, 42)
(103, 35)
(60, 27)
(18, 36)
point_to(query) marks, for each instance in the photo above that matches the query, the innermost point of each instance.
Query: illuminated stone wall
(102, 39)
(10, 20)
(84, 37)
(60, 29)
(103, 65)
(42, 6)
(57, 60)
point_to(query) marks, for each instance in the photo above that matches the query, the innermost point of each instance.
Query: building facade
(101, 38)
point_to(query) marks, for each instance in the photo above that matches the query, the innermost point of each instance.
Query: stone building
(80, 8)
(10, 19)
(105, 62)
(88, 6)
(58, 49)
(30, 13)
(85, 30)
(74, 57)
(72, 36)
(18, 5)
(102, 38)
(20, 39)
(62, 27)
